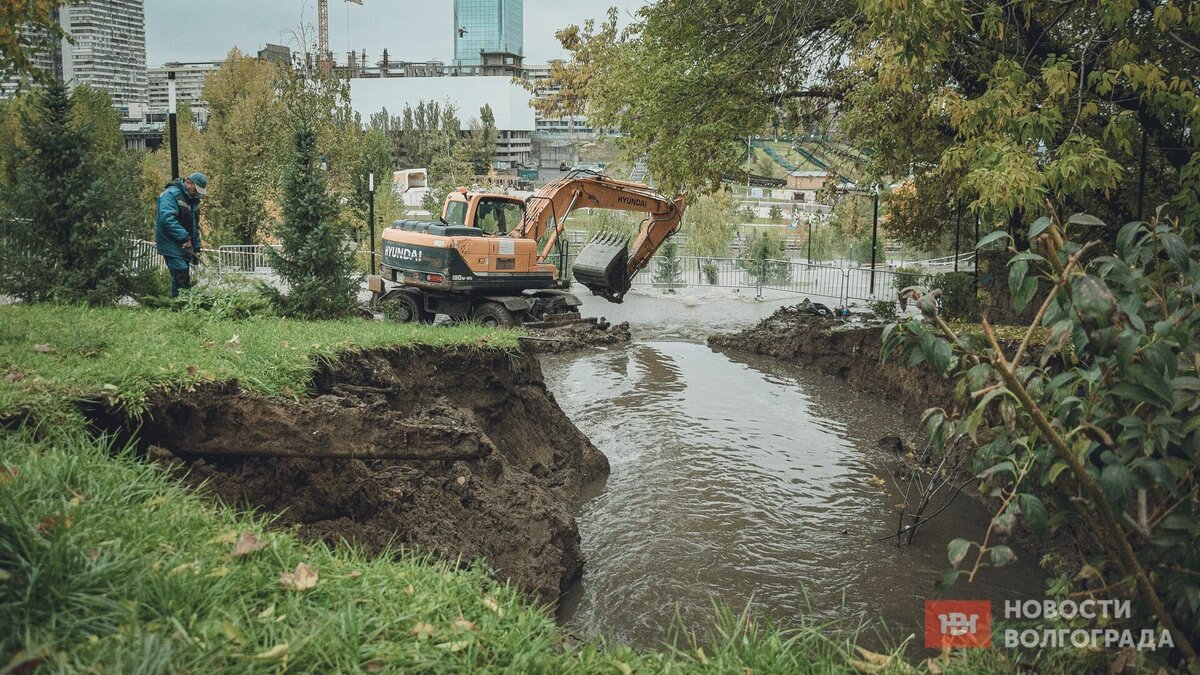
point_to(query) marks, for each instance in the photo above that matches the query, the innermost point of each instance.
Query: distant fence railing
(840, 283)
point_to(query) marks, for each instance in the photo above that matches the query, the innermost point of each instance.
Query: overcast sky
(411, 30)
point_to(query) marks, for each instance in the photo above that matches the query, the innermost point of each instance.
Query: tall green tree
(68, 206)
(27, 27)
(484, 137)
(711, 223)
(317, 260)
(244, 147)
(1001, 104)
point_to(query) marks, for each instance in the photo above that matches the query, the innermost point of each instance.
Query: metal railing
(841, 284)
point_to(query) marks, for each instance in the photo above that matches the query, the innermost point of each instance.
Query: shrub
(884, 310)
(223, 300)
(775, 214)
(712, 273)
(958, 300)
(668, 269)
(761, 258)
(907, 277)
(1099, 433)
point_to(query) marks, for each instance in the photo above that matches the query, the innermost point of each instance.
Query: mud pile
(492, 464)
(573, 336)
(831, 346)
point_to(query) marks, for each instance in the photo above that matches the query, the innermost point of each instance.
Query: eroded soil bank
(827, 345)
(490, 464)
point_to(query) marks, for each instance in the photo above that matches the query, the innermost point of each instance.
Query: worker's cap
(200, 181)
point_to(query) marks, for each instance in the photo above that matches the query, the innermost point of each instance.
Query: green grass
(108, 563)
(122, 353)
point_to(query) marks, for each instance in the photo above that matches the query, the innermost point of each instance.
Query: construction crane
(324, 55)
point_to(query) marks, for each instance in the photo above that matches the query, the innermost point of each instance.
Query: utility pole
(172, 125)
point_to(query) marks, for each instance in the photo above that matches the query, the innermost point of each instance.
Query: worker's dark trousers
(180, 278)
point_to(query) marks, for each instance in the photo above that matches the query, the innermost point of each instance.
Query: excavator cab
(495, 214)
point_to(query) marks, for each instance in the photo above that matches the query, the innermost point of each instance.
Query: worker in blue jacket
(177, 227)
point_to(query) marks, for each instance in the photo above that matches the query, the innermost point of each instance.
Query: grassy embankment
(107, 563)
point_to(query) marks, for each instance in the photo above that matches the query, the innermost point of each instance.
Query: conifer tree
(68, 205)
(316, 262)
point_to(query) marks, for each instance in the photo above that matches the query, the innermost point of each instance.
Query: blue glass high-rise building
(487, 25)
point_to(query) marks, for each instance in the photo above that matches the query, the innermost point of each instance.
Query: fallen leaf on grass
(8, 473)
(409, 590)
(231, 631)
(233, 342)
(266, 613)
(354, 575)
(193, 566)
(43, 348)
(192, 370)
(422, 630)
(302, 579)
(275, 653)
(491, 604)
(26, 661)
(248, 543)
(53, 522)
(219, 572)
(14, 376)
(624, 668)
(226, 537)
(455, 646)
(461, 480)
(4, 576)
(76, 498)
(287, 391)
(462, 624)
(110, 388)
(373, 666)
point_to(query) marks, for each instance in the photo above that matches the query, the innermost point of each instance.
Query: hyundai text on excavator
(489, 258)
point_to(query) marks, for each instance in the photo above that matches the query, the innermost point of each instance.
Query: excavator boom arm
(605, 266)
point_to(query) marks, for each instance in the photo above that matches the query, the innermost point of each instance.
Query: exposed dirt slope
(508, 462)
(827, 345)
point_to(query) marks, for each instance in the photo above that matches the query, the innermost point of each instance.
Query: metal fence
(841, 284)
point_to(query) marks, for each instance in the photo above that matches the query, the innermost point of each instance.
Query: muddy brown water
(743, 480)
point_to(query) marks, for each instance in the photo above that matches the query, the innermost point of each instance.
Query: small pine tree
(68, 208)
(316, 263)
(668, 269)
(775, 214)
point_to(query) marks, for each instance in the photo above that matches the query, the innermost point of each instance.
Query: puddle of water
(738, 479)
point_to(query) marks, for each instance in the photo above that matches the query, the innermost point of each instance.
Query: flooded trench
(740, 479)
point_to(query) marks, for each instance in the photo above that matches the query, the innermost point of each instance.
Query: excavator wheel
(493, 315)
(405, 308)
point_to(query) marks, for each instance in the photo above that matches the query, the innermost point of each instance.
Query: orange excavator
(492, 257)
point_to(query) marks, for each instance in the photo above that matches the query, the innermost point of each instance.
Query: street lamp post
(957, 228)
(810, 219)
(874, 238)
(172, 125)
(371, 215)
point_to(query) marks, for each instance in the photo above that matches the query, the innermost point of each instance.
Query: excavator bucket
(602, 266)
